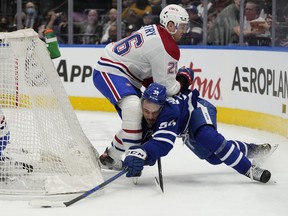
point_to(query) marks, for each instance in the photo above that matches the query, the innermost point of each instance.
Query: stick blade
(159, 188)
(46, 203)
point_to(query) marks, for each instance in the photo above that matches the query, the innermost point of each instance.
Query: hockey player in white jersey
(193, 118)
(149, 54)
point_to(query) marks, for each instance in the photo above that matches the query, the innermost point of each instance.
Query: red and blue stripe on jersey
(118, 65)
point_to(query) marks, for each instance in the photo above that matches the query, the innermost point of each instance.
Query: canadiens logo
(173, 8)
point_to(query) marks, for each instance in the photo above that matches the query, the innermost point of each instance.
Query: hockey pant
(208, 144)
(126, 99)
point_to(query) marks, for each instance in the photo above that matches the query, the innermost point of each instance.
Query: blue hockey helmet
(155, 93)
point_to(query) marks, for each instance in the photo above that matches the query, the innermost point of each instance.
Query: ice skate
(259, 153)
(109, 163)
(258, 174)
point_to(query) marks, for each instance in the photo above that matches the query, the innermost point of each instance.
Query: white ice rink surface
(191, 186)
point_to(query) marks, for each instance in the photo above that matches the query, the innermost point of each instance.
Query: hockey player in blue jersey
(194, 119)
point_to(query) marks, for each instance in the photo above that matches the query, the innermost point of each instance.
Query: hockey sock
(234, 158)
(242, 146)
(131, 124)
(227, 152)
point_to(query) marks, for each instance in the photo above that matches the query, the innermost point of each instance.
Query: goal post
(43, 149)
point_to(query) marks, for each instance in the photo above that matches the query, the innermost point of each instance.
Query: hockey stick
(160, 182)
(54, 203)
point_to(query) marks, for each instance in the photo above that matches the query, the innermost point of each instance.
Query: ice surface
(191, 186)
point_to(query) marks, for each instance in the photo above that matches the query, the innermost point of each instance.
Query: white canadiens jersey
(149, 53)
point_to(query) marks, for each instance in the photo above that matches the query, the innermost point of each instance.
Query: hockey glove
(185, 76)
(134, 161)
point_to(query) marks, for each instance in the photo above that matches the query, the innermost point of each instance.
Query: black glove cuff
(183, 81)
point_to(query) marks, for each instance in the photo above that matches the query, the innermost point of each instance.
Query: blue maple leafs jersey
(159, 139)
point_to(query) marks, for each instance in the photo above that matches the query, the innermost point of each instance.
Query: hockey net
(43, 149)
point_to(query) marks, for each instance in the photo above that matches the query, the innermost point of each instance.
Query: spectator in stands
(4, 24)
(283, 28)
(221, 4)
(264, 28)
(130, 29)
(112, 16)
(63, 29)
(33, 20)
(157, 6)
(23, 20)
(255, 34)
(126, 4)
(147, 19)
(222, 31)
(141, 7)
(49, 21)
(285, 14)
(185, 4)
(91, 28)
(281, 12)
(211, 19)
(112, 34)
(134, 13)
(195, 33)
(210, 8)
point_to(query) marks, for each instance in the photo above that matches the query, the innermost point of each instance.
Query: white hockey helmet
(175, 14)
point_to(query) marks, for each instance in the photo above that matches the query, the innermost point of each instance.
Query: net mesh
(43, 149)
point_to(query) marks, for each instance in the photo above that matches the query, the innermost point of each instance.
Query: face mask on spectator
(30, 11)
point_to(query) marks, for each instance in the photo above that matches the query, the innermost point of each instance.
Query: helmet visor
(183, 27)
